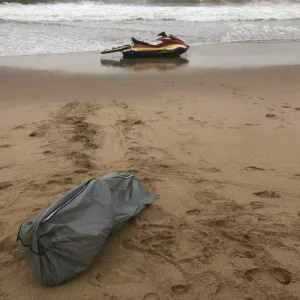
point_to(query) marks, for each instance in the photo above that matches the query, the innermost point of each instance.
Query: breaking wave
(97, 12)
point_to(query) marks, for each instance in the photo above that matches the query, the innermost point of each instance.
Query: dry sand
(220, 147)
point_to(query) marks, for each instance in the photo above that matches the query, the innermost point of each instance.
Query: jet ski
(168, 46)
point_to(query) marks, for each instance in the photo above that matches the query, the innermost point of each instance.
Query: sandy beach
(219, 145)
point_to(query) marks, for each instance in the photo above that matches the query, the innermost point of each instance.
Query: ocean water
(60, 27)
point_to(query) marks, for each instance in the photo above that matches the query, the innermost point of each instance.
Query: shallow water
(87, 26)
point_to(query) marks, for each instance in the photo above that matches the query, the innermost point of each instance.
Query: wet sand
(221, 148)
(230, 55)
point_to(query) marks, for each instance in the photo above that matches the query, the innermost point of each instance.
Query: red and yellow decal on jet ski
(167, 47)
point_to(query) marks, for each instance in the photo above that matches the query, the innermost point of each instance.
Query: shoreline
(208, 56)
(25, 86)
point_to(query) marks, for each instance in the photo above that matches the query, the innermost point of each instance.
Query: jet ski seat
(135, 41)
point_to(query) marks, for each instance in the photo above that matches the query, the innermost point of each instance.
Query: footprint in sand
(297, 108)
(267, 194)
(281, 275)
(151, 296)
(286, 106)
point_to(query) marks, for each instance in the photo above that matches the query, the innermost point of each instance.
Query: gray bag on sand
(62, 241)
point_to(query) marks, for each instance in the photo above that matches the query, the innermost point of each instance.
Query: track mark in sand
(249, 274)
(297, 108)
(160, 239)
(109, 297)
(267, 194)
(6, 146)
(214, 170)
(251, 124)
(160, 112)
(130, 244)
(4, 167)
(240, 237)
(286, 106)
(180, 289)
(24, 126)
(155, 226)
(48, 152)
(57, 175)
(164, 166)
(257, 204)
(95, 279)
(151, 296)
(254, 168)
(193, 212)
(80, 171)
(222, 222)
(295, 176)
(68, 134)
(270, 115)
(34, 133)
(4, 296)
(4, 185)
(81, 159)
(7, 243)
(126, 125)
(120, 104)
(41, 130)
(66, 180)
(36, 209)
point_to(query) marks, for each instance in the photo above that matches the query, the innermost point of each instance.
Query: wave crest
(97, 12)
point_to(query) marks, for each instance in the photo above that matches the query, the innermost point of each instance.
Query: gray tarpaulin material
(63, 240)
